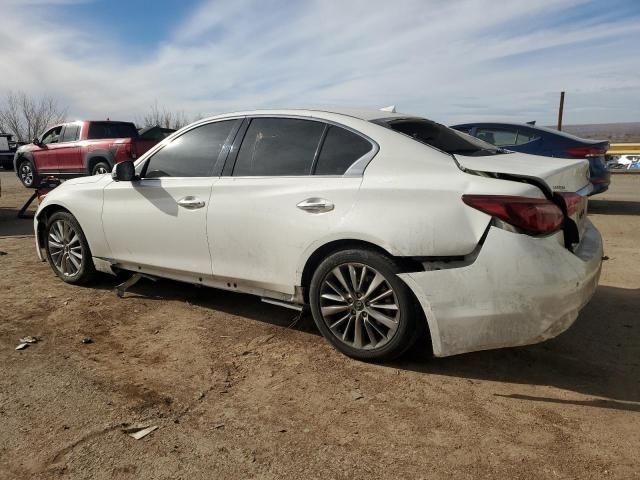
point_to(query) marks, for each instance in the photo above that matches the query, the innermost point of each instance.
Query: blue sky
(452, 61)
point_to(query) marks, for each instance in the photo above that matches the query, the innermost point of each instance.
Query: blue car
(528, 138)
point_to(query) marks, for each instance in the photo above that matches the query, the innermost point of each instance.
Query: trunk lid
(560, 174)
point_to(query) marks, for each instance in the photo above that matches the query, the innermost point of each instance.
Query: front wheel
(361, 306)
(28, 175)
(67, 249)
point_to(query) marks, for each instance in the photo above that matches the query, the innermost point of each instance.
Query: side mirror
(36, 141)
(124, 171)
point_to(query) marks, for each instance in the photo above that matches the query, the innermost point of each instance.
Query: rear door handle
(191, 203)
(316, 205)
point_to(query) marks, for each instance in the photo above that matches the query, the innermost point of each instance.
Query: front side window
(497, 136)
(70, 133)
(52, 136)
(340, 150)
(192, 154)
(278, 147)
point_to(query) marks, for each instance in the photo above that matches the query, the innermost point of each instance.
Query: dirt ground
(237, 394)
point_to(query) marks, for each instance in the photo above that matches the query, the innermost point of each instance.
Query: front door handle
(191, 203)
(316, 205)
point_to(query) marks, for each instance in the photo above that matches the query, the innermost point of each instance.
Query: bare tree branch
(163, 118)
(26, 117)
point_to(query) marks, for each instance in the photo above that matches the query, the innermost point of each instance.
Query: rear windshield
(441, 137)
(111, 130)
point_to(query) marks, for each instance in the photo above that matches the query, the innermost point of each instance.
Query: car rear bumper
(600, 184)
(519, 290)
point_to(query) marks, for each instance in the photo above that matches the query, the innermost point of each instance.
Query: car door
(68, 152)
(45, 154)
(285, 186)
(160, 221)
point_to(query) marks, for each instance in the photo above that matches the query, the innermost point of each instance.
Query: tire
(67, 249)
(388, 326)
(28, 174)
(100, 168)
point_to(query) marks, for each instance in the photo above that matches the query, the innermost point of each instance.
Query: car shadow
(614, 207)
(233, 303)
(12, 226)
(597, 356)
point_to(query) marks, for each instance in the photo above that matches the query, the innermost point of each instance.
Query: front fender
(83, 198)
(17, 158)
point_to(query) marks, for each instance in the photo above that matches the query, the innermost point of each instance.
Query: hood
(560, 174)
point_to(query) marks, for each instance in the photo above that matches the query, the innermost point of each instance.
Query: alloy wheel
(359, 306)
(26, 174)
(65, 248)
(100, 170)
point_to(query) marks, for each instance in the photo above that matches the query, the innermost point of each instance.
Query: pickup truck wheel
(100, 168)
(28, 175)
(361, 306)
(67, 249)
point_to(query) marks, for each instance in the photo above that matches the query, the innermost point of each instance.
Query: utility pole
(560, 110)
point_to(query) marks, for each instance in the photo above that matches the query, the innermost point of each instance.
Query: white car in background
(377, 220)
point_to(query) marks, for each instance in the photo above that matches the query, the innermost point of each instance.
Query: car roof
(360, 113)
(506, 124)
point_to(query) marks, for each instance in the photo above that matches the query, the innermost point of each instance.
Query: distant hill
(614, 132)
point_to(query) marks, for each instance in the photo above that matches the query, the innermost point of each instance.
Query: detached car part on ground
(79, 148)
(383, 223)
(528, 138)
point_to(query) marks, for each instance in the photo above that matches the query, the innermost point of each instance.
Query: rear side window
(98, 130)
(497, 136)
(341, 148)
(278, 146)
(441, 137)
(70, 133)
(193, 154)
(525, 137)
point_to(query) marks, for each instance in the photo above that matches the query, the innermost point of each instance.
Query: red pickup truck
(79, 148)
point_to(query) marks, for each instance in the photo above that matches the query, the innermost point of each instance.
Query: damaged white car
(378, 221)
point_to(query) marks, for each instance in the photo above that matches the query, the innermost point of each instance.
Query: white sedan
(378, 221)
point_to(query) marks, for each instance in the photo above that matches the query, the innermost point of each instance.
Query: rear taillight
(128, 148)
(573, 202)
(582, 152)
(532, 215)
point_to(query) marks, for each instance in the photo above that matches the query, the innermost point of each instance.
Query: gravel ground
(237, 394)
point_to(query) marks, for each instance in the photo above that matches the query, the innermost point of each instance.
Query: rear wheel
(67, 249)
(361, 306)
(27, 174)
(100, 168)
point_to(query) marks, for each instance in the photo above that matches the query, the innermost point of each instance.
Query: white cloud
(451, 61)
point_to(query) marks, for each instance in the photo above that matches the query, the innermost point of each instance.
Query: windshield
(441, 137)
